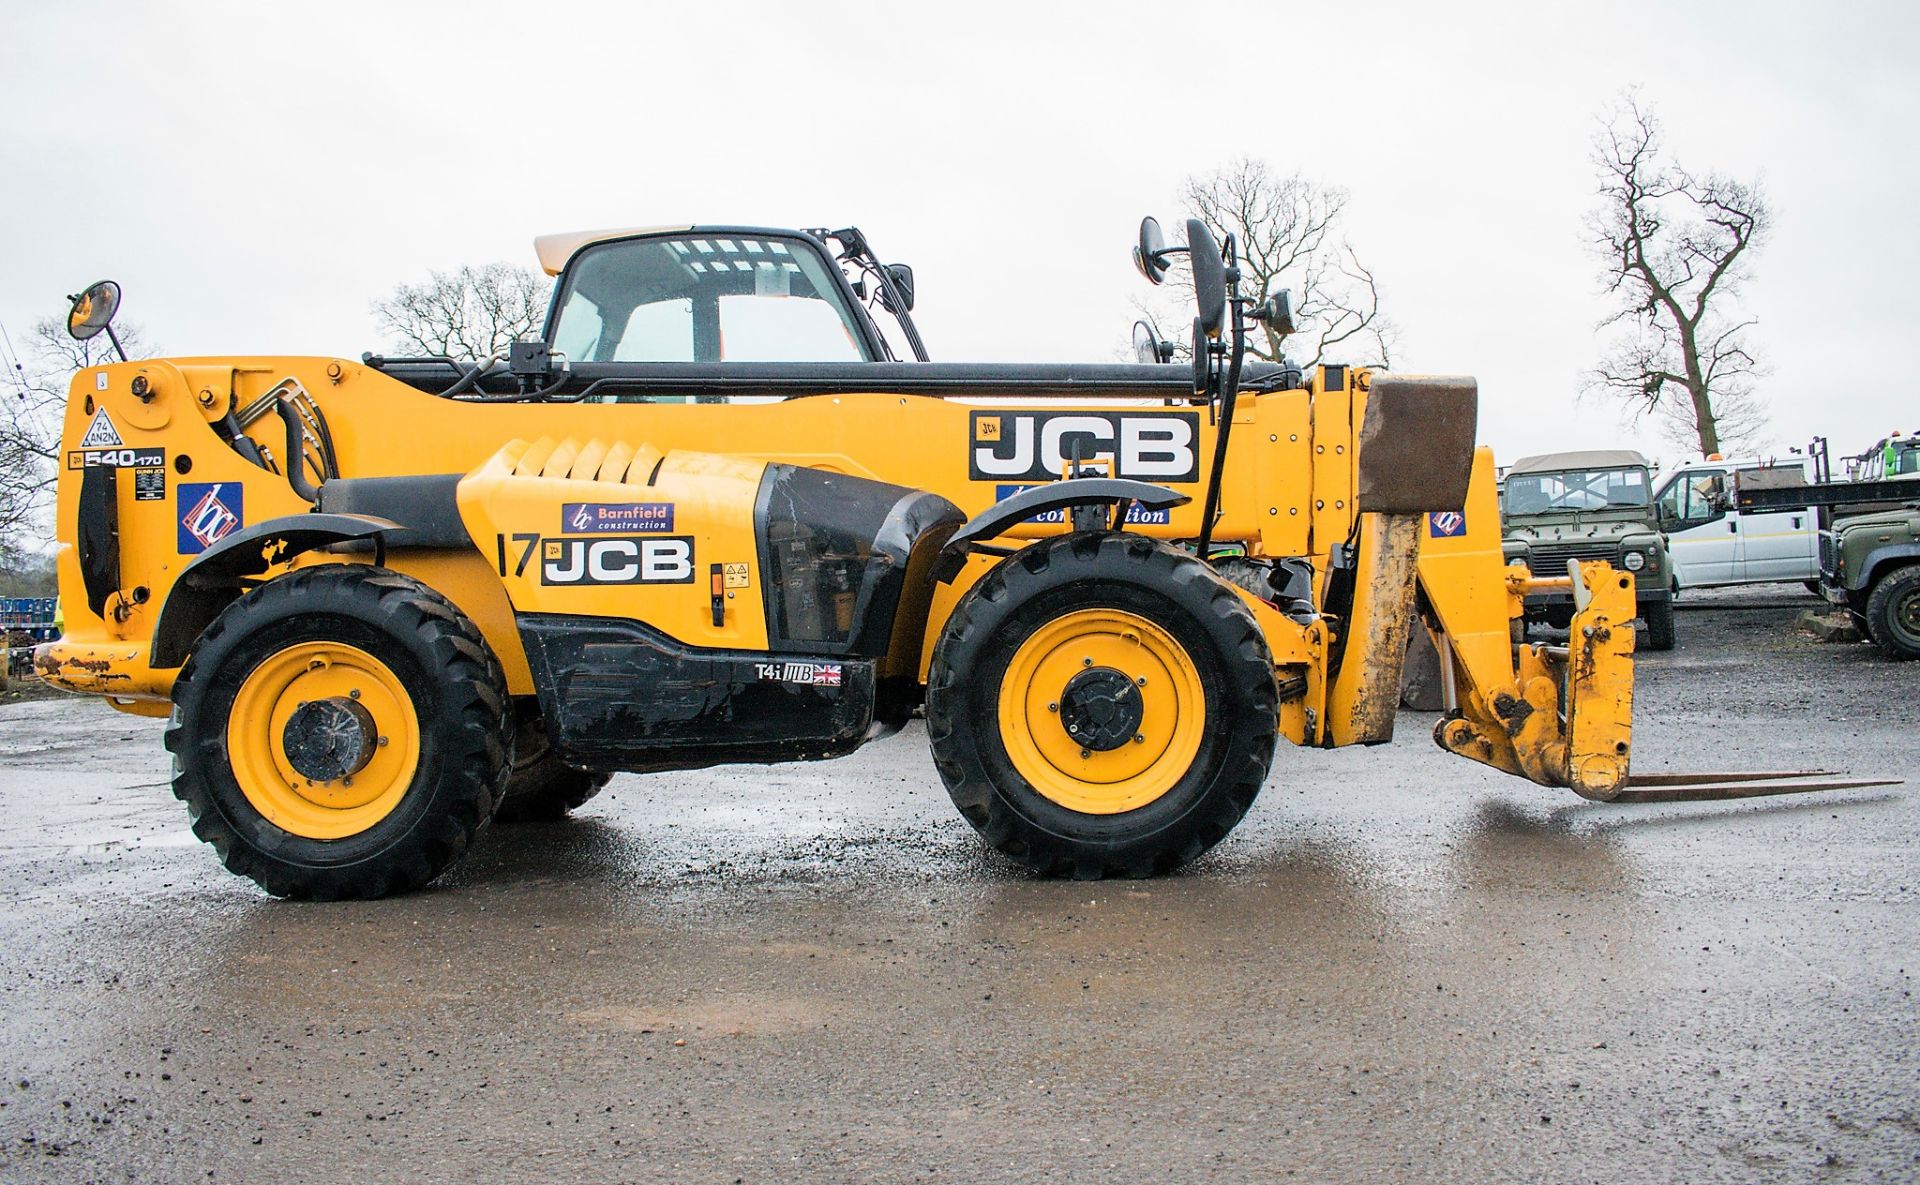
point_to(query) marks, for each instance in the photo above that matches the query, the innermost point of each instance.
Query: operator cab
(724, 294)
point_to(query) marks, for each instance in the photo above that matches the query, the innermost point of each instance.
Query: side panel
(617, 695)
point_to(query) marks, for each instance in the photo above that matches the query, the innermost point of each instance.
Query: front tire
(340, 732)
(1659, 618)
(1893, 613)
(1102, 704)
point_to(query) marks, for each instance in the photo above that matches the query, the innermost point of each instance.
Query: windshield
(705, 298)
(1577, 489)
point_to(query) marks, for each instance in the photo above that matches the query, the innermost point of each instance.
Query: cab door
(1776, 545)
(1703, 541)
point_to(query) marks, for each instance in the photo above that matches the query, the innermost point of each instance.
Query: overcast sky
(254, 174)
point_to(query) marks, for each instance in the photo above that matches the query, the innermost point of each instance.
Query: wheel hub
(331, 738)
(1101, 709)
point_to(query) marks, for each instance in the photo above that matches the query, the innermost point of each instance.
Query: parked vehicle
(1712, 542)
(1868, 541)
(1590, 505)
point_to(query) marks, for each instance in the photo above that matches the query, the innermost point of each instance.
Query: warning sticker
(101, 433)
(736, 575)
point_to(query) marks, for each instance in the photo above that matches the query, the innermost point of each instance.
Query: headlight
(1635, 561)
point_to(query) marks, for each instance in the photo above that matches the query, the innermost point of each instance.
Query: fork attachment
(1719, 787)
(1566, 719)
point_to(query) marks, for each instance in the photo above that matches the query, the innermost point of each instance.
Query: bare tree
(35, 400)
(1287, 229)
(471, 313)
(1677, 249)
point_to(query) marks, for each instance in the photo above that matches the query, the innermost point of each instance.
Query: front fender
(1059, 495)
(212, 581)
(1896, 554)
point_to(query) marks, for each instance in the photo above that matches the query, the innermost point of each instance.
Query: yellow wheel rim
(1060, 767)
(256, 733)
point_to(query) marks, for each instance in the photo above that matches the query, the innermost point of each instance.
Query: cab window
(705, 298)
(1700, 496)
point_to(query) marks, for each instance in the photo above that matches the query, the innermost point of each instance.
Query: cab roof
(555, 250)
(1599, 458)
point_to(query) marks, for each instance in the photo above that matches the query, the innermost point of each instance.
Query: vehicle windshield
(705, 298)
(1575, 489)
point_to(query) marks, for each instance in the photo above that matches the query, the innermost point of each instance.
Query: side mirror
(1209, 277)
(1148, 349)
(903, 280)
(1202, 360)
(93, 310)
(1276, 311)
(1150, 254)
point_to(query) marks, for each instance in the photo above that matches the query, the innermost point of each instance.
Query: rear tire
(387, 651)
(1893, 613)
(1172, 637)
(542, 788)
(1659, 618)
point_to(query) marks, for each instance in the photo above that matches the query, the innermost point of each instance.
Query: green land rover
(1592, 505)
(1870, 562)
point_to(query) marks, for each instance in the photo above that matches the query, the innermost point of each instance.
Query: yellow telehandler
(711, 515)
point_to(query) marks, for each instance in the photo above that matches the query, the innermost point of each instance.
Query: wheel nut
(1073, 728)
(1084, 753)
(1141, 681)
(382, 742)
(1086, 662)
(354, 694)
(1138, 739)
(1054, 707)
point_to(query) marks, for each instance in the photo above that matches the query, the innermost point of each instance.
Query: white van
(1709, 542)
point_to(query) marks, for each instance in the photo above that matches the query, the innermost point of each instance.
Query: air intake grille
(1550, 559)
(1828, 565)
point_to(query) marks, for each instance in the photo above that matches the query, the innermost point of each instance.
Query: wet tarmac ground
(1401, 967)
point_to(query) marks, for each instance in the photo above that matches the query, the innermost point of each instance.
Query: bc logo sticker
(209, 512)
(1446, 524)
(615, 518)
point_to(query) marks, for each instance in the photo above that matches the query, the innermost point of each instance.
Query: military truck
(1870, 562)
(1869, 535)
(1594, 504)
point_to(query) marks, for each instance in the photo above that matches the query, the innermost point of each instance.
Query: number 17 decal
(526, 555)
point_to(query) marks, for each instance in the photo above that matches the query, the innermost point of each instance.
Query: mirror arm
(1229, 391)
(117, 347)
(901, 316)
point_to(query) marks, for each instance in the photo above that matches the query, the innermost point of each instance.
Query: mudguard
(212, 581)
(1059, 495)
(1861, 580)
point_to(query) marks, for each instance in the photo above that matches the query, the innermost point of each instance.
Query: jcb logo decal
(602, 560)
(1038, 445)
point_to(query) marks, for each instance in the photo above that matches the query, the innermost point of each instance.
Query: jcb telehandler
(708, 517)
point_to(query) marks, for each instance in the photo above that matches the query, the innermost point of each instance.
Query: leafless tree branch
(1286, 228)
(474, 312)
(34, 398)
(1676, 249)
